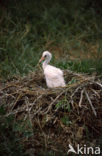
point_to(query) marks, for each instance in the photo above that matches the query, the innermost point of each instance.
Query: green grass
(30, 27)
(83, 66)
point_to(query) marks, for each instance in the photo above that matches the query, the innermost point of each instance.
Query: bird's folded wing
(53, 72)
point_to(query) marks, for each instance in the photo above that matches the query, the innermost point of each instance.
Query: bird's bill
(41, 59)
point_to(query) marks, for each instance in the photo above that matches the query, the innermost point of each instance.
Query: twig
(95, 92)
(10, 85)
(37, 112)
(19, 96)
(81, 98)
(88, 98)
(27, 104)
(35, 101)
(99, 84)
(76, 90)
(15, 112)
(74, 73)
(45, 136)
(54, 102)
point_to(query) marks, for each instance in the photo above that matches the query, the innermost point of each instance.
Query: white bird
(54, 76)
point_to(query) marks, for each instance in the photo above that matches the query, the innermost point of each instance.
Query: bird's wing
(53, 72)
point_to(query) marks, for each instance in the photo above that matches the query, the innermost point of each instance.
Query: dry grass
(57, 116)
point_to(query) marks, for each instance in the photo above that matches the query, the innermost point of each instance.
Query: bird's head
(46, 56)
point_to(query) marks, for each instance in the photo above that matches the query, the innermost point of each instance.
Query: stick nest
(57, 116)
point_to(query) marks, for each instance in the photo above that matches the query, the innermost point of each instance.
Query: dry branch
(90, 103)
(80, 102)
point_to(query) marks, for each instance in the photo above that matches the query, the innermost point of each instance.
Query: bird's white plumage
(54, 76)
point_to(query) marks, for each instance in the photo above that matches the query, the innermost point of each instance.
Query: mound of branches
(57, 116)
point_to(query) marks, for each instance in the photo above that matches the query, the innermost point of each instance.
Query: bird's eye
(45, 56)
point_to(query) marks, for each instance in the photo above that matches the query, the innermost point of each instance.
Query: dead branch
(80, 102)
(90, 103)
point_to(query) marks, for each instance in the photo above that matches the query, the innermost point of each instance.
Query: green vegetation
(11, 144)
(70, 28)
(63, 104)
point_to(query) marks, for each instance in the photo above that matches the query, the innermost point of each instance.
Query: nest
(57, 116)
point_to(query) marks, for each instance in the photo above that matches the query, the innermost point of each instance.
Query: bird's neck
(45, 63)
